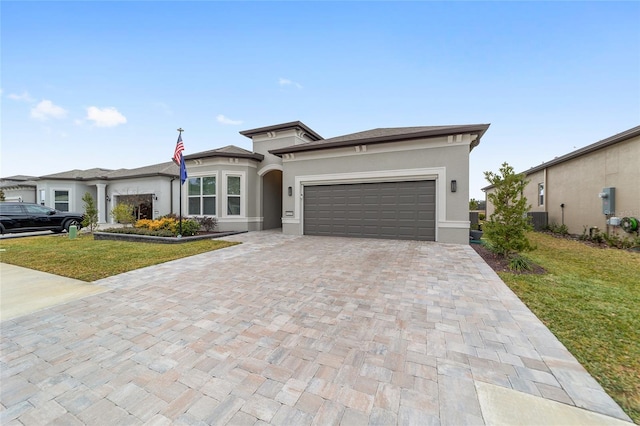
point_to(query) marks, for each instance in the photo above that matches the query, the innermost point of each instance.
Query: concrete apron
(23, 291)
(506, 407)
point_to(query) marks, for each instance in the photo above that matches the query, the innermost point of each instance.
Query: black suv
(27, 217)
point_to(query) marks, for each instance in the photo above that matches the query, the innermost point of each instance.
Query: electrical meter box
(608, 196)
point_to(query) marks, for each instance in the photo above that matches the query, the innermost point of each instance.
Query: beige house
(597, 186)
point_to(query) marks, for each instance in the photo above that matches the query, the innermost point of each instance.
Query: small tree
(507, 225)
(90, 213)
(473, 204)
(124, 213)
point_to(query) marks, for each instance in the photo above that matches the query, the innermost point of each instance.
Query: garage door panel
(402, 210)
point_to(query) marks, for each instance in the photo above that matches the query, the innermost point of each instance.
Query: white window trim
(243, 194)
(543, 195)
(52, 198)
(185, 194)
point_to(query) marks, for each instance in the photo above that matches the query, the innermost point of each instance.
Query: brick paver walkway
(288, 330)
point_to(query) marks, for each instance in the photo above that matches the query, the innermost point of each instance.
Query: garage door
(397, 210)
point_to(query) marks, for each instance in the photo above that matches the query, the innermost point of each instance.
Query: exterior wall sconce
(290, 191)
(454, 186)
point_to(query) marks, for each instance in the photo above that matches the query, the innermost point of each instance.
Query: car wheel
(1, 229)
(70, 223)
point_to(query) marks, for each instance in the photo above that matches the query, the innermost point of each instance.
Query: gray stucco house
(405, 183)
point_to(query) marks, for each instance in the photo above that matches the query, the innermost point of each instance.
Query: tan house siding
(577, 180)
(577, 183)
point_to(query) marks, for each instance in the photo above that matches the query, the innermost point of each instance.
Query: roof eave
(253, 156)
(284, 126)
(474, 129)
(617, 138)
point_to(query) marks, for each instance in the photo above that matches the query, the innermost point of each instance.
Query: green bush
(508, 224)
(90, 219)
(189, 227)
(519, 263)
(558, 229)
(124, 213)
(141, 231)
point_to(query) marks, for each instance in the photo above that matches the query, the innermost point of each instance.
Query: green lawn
(590, 299)
(86, 259)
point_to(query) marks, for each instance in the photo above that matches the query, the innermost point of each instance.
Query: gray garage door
(397, 210)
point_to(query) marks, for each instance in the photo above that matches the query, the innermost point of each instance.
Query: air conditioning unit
(614, 221)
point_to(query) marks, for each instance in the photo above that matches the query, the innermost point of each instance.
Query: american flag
(177, 154)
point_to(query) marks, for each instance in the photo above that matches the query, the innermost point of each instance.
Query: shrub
(166, 223)
(141, 231)
(508, 224)
(482, 216)
(90, 219)
(558, 229)
(189, 227)
(519, 263)
(124, 213)
(208, 223)
(142, 223)
(169, 224)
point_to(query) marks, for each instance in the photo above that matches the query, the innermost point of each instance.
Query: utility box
(608, 196)
(73, 232)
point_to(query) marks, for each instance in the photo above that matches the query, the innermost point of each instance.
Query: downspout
(546, 190)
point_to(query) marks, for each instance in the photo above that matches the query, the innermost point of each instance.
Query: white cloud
(287, 82)
(224, 120)
(46, 109)
(105, 117)
(23, 97)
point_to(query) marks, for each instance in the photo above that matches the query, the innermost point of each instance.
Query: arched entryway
(272, 199)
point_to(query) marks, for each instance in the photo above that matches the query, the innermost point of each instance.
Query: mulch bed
(500, 264)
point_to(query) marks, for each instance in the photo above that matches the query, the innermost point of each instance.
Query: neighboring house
(148, 188)
(405, 183)
(19, 188)
(570, 188)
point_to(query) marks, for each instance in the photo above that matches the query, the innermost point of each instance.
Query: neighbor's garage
(394, 210)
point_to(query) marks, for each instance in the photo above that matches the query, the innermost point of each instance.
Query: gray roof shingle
(229, 151)
(381, 135)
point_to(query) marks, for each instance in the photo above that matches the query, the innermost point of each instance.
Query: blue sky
(106, 84)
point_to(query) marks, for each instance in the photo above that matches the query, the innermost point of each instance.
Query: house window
(61, 200)
(202, 196)
(233, 195)
(541, 194)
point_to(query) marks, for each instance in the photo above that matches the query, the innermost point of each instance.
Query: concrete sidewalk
(297, 330)
(23, 291)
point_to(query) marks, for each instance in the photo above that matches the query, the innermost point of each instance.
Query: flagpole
(180, 130)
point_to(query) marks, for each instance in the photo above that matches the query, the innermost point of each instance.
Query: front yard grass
(590, 299)
(89, 260)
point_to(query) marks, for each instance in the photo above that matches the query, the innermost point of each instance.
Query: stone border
(159, 240)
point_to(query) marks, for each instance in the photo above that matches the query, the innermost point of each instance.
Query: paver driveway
(289, 330)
